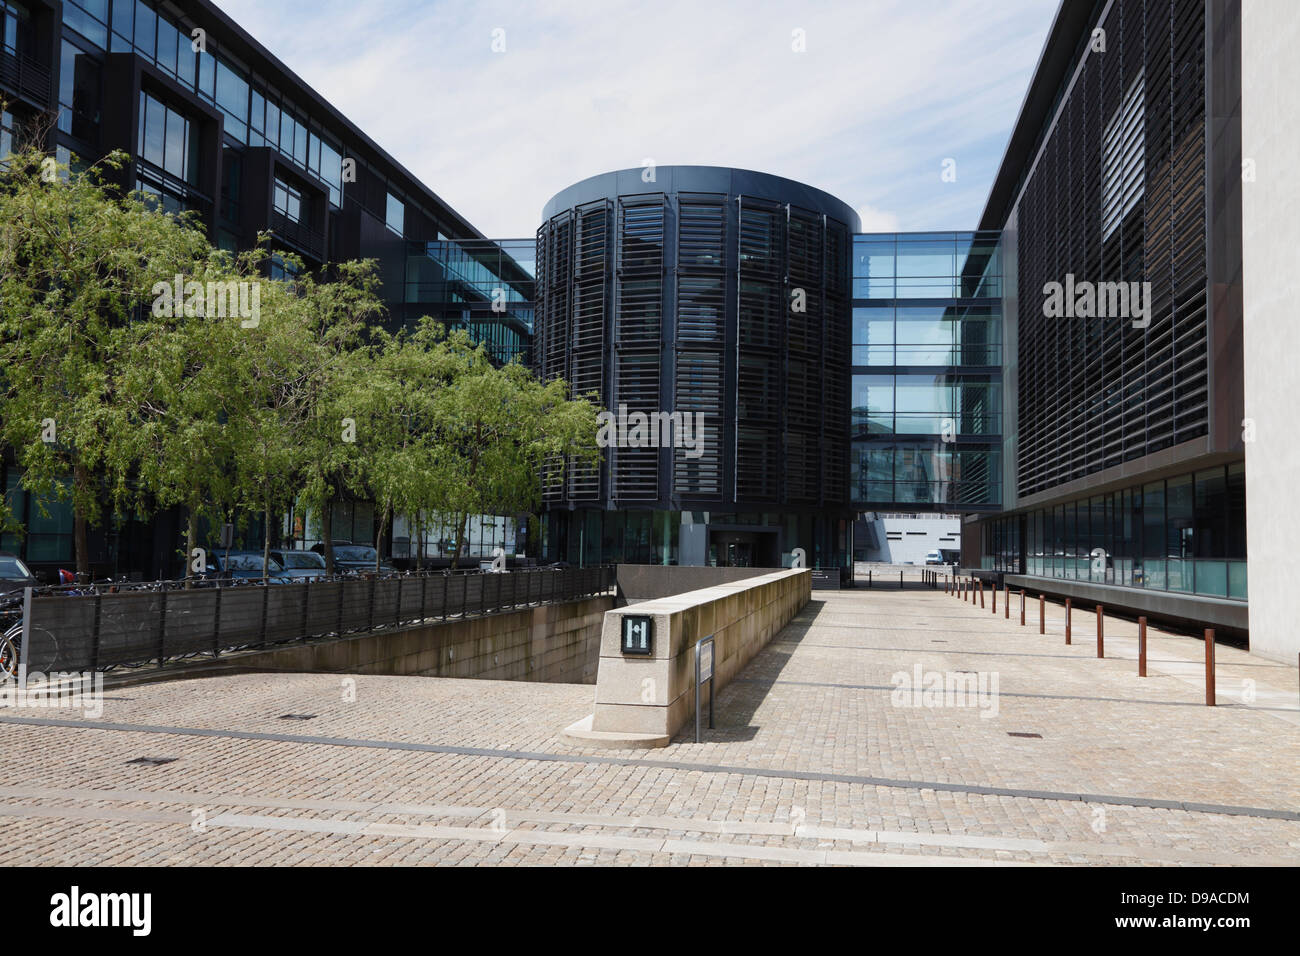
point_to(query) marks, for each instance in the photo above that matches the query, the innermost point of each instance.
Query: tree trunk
(266, 539)
(379, 537)
(81, 482)
(462, 529)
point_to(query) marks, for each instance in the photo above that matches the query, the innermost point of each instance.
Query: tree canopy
(143, 369)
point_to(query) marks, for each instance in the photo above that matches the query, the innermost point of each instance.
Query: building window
(15, 28)
(79, 86)
(282, 271)
(232, 99)
(7, 130)
(395, 214)
(288, 201)
(90, 22)
(168, 140)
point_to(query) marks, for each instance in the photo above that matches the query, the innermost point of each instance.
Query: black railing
(308, 240)
(142, 626)
(24, 75)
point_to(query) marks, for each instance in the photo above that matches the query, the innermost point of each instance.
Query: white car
(933, 557)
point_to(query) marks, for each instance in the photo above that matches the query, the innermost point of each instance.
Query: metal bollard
(981, 595)
(1067, 620)
(1101, 631)
(994, 596)
(1142, 647)
(1210, 697)
(1022, 607)
(1042, 613)
(1006, 602)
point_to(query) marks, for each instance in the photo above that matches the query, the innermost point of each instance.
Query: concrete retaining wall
(653, 696)
(557, 643)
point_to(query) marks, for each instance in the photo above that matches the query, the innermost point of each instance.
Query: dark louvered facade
(1124, 431)
(1096, 392)
(709, 292)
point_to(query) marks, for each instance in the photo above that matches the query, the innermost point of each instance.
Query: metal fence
(137, 627)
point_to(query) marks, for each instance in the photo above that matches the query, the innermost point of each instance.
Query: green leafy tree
(182, 383)
(78, 263)
(498, 429)
(336, 359)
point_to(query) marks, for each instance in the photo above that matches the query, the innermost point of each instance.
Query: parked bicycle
(11, 643)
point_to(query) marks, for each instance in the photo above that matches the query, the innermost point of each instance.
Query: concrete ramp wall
(644, 700)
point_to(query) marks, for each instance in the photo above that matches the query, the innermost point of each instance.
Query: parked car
(355, 558)
(14, 576)
(933, 557)
(245, 565)
(301, 565)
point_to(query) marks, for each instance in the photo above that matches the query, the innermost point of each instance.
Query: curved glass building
(709, 309)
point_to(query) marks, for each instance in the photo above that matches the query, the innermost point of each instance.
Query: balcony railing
(25, 76)
(298, 234)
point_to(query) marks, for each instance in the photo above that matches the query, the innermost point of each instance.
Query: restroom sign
(638, 634)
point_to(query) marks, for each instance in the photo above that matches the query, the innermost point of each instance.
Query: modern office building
(214, 123)
(1095, 377)
(1119, 207)
(721, 297)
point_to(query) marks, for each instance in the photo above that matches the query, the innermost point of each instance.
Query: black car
(301, 565)
(355, 559)
(14, 576)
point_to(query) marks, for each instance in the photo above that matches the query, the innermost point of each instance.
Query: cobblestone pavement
(817, 758)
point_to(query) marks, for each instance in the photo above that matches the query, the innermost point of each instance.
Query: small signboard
(706, 662)
(638, 634)
(703, 673)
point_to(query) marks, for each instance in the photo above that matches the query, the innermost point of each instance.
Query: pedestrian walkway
(878, 728)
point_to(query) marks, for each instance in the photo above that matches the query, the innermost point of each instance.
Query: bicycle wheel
(8, 659)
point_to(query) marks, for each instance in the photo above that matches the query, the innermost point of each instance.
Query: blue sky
(883, 93)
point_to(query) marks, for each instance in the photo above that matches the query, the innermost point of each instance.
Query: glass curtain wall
(927, 382)
(1186, 533)
(485, 286)
(254, 115)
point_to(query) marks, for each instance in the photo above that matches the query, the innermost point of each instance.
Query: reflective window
(395, 214)
(146, 23)
(168, 43)
(1174, 535)
(89, 18)
(288, 201)
(167, 140)
(232, 99)
(15, 27)
(79, 93)
(6, 136)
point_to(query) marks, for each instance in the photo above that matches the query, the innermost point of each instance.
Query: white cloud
(877, 220)
(884, 92)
